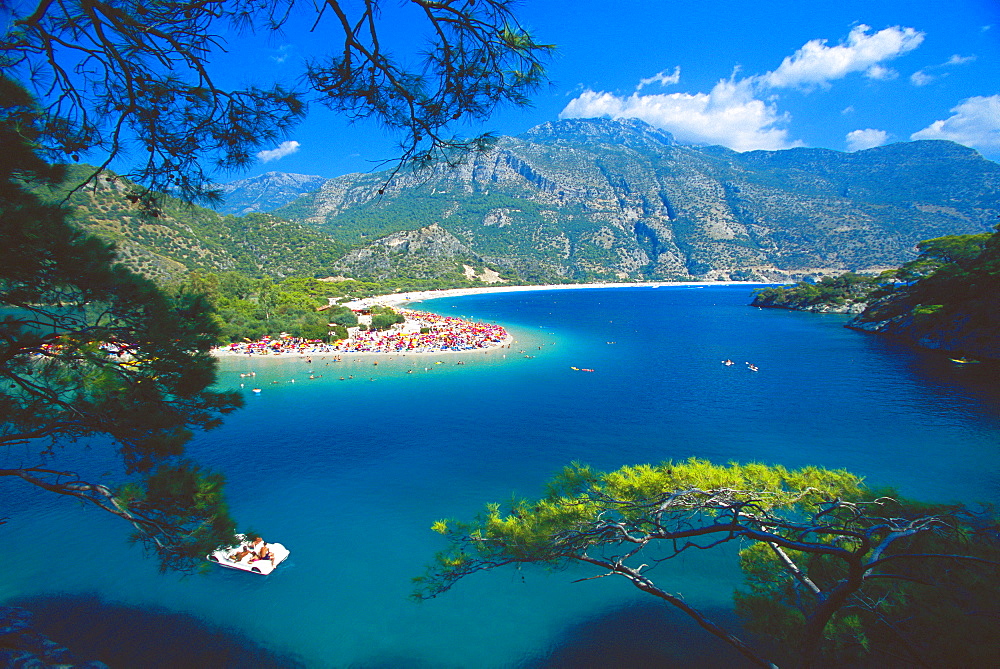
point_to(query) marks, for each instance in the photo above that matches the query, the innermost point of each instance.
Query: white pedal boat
(250, 563)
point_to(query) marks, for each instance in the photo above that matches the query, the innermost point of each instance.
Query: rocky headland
(947, 299)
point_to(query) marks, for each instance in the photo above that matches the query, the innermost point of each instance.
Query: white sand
(399, 299)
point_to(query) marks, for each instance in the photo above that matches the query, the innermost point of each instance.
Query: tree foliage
(935, 254)
(124, 76)
(823, 555)
(90, 351)
(951, 296)
(384, 317)
(836, 291)
(249, 308)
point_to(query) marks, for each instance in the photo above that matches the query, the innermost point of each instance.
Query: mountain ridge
(266, 192)
(594, 199)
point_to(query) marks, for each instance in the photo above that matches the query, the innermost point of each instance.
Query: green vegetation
(92, 351)
(946, 268)
(948, 297)
(247, 308)
(952, 300)
(835, 573)
(845, 289)
(176, 237)
(958, 251)
(384, 317)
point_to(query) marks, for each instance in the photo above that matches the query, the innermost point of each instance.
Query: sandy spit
(405, 299)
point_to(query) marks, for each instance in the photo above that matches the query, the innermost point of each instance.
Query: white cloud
(866, 139)
(282, 150)
(662, 78)
(728, 115)
(922, 77)
(959, 60)
(974, 122)
(740, 113)
(817, 64)
(849, 109)
(282, 53)
(881, 73)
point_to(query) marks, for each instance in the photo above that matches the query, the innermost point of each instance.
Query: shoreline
(222, 353)
(405, 299)
(399, 299)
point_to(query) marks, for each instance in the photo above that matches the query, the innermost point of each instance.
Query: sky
(745, 74)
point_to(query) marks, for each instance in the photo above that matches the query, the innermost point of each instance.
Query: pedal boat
(248, 563)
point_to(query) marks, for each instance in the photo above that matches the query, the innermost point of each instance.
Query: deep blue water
(350, 474)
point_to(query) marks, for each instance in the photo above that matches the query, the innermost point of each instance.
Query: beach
(420, 333)
(406, 339)
(399, 299)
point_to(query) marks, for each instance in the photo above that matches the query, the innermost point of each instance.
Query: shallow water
(350, 474)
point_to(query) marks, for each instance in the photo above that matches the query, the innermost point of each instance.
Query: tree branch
(644, 584)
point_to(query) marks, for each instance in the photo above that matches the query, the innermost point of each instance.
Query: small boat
(256, 391)
(224, 557)
(964, 361)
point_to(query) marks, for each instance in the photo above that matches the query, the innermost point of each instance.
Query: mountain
(595, 199)
(266, 192)
(178, 238)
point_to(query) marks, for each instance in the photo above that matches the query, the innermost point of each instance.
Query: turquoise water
(350, 474)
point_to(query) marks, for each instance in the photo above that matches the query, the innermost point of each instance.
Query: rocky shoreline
(849, 308)
(957, 334)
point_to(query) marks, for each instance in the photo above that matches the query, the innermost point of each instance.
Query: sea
(350, 468)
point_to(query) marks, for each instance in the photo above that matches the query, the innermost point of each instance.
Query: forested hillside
(176, 238)
(954, 302)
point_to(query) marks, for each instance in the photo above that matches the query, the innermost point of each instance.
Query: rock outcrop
(425, 253)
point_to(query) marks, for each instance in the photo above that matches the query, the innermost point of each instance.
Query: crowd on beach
(421, 332)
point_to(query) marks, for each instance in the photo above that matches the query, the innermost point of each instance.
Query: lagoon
(350, 475)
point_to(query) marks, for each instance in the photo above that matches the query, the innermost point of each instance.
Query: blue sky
(843, 75)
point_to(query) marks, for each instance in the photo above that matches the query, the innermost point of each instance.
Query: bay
(350, 474)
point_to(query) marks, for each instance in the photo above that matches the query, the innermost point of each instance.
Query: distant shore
(399, 299)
